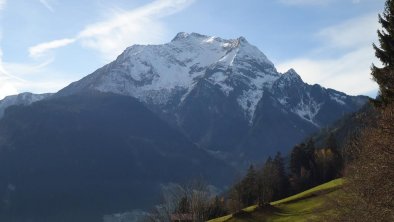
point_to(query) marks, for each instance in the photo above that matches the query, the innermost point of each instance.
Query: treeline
(309, 166)
(260, 186)
(194, 201)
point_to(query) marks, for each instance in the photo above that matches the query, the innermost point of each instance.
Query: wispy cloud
(47, 5)
(352, 33)
(350, 72)
(6, 80)
(110, 37)
(124, 28)
(6, 88)
(19, 77)
(32, 77)
(40, 49)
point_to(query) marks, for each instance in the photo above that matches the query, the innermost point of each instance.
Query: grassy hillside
(315, 204)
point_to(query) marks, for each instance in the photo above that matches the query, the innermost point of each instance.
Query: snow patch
(20, 99)
(307, 110)
(283, 100)
(210, 39)
(338, 98)
(250, 98)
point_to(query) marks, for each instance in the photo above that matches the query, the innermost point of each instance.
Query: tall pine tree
(283, 186)
(385, 53)
(369, 188)
(249, 193)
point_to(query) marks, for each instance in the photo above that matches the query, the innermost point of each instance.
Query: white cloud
(124, 28)
(109, 37)
(32, 76)
(349, 72)
(16, 78)
(6, 87)
(141, 25)
(352, 33)
(47, 5)
(40, 49)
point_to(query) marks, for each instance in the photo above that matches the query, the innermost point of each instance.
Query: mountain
(224, 95)
(21, 99)
(198, 106)
(292, 110)
(79, 157)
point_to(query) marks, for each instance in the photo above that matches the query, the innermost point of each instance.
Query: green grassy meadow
(316, 204)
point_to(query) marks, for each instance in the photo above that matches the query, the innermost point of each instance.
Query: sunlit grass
(310, 205)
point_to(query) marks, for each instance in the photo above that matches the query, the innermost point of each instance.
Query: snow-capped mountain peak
(163, 76)
(157, 73)
(292, 75)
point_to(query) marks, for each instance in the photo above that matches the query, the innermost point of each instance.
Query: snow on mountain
(163, 76)
(224, 95)
(307, 100)
(156, 73)
(338, 97)
(293, 94)
(20, 99)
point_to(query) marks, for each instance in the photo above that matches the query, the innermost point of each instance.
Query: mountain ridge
(173, 80)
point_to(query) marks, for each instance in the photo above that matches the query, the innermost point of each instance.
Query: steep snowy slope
(160, 74)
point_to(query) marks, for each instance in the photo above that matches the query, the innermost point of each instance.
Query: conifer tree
(267, 182)
(282, 188)
(249, 187)
(385, 53)
(297, 159)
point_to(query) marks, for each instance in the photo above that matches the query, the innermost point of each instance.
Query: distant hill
(77, 158)
(21, 99)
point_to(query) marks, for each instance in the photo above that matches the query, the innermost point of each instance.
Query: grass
(312, 205)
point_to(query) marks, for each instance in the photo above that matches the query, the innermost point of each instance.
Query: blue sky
(46, 44)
